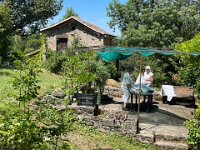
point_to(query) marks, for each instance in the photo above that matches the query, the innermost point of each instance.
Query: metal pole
(117, 66)
(140, 92)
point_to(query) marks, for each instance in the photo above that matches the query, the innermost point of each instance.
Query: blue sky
(93, 11)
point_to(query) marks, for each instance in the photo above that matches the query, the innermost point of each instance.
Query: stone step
(169, 145)
(171, 133)
(165, 132)
(168, 137)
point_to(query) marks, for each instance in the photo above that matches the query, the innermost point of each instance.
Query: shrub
(55, 61)
(193, 126)
(77, 71)
(102, 74)
(188, 66)
(32, 43)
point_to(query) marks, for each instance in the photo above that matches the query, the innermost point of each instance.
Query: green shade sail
(121, 53)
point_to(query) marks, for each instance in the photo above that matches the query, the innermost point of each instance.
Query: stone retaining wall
(107, 121)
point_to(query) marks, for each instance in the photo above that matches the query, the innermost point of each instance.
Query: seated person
(148, 76)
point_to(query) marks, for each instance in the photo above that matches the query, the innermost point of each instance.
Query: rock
(113, 91)
(60, 107)
(48, 99)
(113, 83)
(108, 122)
(59, 94)
(112, 107)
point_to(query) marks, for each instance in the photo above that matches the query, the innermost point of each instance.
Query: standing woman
(126, 85)
(148, 76)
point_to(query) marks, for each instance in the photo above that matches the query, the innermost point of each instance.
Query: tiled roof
(87, 24)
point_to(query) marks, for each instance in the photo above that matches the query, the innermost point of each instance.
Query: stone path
(164, 126)
(182, 111)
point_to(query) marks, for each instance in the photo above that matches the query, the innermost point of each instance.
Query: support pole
(140, 93)
(117, 66)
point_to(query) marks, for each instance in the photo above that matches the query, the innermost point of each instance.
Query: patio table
(149, 96)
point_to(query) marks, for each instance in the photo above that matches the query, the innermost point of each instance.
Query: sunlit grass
(94, 139)
(48, 81)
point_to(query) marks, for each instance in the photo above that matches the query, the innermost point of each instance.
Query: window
(73, 28)
(62, 44)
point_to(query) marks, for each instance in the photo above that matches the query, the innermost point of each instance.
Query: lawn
(48, 81)
(84, 137)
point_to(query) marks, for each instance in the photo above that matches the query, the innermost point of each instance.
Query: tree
(70, 12)
(155, 23)
(30, 15)
(188, 66)
(5, 31)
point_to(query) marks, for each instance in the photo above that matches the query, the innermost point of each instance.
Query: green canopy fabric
(121, 53)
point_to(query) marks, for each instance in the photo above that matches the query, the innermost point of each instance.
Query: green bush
(55, 60)
(102, 74)
(193, 126)
(188, 66)
(77, 72)
(33, 43)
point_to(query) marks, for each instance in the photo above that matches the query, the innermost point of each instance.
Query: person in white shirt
(126, 86)
(148, 76)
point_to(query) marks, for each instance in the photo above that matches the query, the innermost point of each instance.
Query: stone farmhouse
(62, 35)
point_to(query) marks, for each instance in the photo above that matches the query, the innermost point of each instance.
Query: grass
(48, 81)
(84, 137)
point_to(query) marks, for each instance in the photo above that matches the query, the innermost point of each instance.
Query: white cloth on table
(168, 91)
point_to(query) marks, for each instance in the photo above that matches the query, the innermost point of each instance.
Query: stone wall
(70, 30)
(120, 122)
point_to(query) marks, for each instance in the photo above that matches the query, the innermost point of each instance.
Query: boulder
(58, 94)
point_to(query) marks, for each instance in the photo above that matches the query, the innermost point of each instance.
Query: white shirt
(147, 77)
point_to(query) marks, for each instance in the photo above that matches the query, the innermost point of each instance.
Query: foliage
(55, 61)
(155, 23)
(18, 43)
(193, 126)
(102, 74)
(18, 129)
(29, 127)
(189, 70)
(80, 69)
(111, 66)
(32, 43)
(69, 13)
(5, 31)
(188, 66)
(76, 43)
(77, 71)
(27, 14)
(26, 82)
(159, 67)
(20, 46)
(43, 48)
